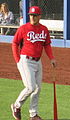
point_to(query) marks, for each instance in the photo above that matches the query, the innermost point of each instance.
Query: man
(35, 36)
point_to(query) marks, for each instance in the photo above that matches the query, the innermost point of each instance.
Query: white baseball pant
(31, 73)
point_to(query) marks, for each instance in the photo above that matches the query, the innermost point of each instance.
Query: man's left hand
(53, 63)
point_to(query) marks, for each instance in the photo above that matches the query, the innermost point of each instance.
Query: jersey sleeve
(47, 46)
(15, 44)
(48, 50)
(48, 40)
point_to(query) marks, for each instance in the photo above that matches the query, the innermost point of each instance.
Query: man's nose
(33, 16)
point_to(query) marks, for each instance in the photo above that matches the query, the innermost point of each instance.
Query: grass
(10, 89)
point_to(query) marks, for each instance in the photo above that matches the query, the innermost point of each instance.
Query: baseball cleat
(16, 112)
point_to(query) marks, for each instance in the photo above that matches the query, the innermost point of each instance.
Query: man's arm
(15, 44)
(49, 53)
(15, 50)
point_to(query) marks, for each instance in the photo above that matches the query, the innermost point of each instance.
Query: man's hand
(53, 63)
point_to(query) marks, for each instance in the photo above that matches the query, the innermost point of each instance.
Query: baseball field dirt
(8, 68)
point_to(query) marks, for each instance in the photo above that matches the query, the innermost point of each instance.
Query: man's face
(34, 19)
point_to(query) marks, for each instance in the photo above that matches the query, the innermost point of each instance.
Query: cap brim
(33, 14)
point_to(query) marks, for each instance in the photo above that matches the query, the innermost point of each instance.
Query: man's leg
(28, 77)
(35, 95)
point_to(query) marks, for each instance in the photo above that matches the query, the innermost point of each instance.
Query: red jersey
(34, 37)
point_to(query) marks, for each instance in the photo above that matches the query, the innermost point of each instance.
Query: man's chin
(35, 23)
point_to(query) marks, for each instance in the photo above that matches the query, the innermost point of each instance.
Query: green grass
(10, 89)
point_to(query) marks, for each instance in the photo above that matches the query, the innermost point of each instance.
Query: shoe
(16, 112)
(36, 118)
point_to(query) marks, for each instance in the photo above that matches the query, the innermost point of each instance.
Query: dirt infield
(8, 67)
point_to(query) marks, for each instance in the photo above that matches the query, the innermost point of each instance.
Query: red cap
(34, 10)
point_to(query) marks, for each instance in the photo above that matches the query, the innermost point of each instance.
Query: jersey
(34, 37)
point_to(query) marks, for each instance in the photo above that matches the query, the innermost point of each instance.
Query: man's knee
(31, 90)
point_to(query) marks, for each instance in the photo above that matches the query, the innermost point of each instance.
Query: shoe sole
(12, 107)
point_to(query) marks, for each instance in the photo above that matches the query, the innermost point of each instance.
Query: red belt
(33, 58)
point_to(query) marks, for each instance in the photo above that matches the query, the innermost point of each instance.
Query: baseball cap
(34, 10)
